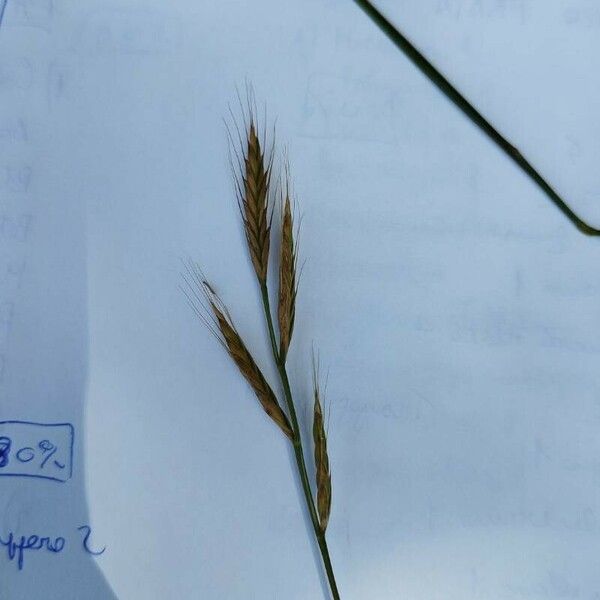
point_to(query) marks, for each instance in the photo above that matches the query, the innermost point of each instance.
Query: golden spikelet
(249, 369)
(200, 294)
(287, 280)
(253, 182)
(321, 458)
(252, 167)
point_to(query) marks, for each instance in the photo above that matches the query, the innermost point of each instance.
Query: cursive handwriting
(17, 546)
(86, 547)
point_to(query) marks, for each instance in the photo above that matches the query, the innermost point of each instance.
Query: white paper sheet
(454, 308)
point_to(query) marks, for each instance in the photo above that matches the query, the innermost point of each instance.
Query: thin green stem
(297, 443)
(432, 73)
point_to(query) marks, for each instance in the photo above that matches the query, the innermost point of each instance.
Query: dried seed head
(249, 369)
(321, 458)
(253, 181)
(221, 325)
(287, 279)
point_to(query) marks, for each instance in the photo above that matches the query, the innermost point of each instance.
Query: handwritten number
(27, 454)
(5, 444)
(86, 538)
(39, 450)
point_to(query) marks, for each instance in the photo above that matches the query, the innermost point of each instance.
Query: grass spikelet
(252, 167)
(321, 457)
(246, 364)
(287, 279)
(256, 204)
(222, 326)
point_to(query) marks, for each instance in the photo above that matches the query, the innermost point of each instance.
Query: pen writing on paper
(17, 546)
(36, 450)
